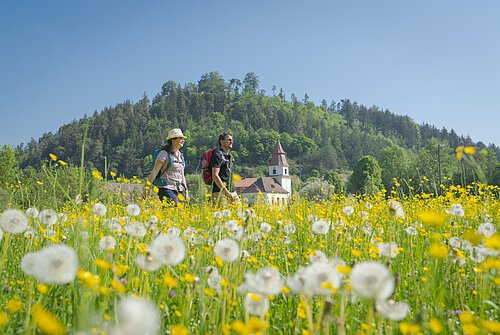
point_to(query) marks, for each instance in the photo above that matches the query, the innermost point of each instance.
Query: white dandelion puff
(227, 249)
(389, 249)
(226, 213)
(174, 231)
(62, 217)
(372, 280)
(136, 229)
(348, 210)
(133, 210)
(47, 217)
(57, 264)
(13, 221)
(318, 256)
(289, 228)
(265, 228)
(99, 209)
(136, 316)
(231, 225)
(256, 304)
(148, 263)
(392, 310)
(486, 229)
(320, 278)
(412, 231)
(32, 213)
(320, 227)
(168, 249)
(29, 263)
(396, 208)
(107, 243)
(217, 215)
(456, 210)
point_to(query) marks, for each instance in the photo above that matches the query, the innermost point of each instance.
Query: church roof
(265, 185)
(279, 156)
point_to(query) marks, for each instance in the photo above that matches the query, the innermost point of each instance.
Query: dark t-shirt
(222, 161)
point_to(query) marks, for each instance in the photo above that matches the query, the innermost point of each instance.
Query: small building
(275, 188)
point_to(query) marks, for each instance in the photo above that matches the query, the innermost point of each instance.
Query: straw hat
(174, 133)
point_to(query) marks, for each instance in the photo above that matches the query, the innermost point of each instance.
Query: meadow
(420, 264)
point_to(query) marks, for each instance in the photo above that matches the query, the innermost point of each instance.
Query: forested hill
(331, 136)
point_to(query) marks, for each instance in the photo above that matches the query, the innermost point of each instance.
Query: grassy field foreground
(346, 266)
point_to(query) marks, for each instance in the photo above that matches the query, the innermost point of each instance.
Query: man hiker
(221, 164)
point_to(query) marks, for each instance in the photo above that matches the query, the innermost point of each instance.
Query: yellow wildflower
(432, 218)
(409, 328)
(14, 305)
(102, 264)
(46, 321)
(118, 286)
(96, 174)
(53, 157)
(437, 250)
(470, 150)
(43, 289)
(491, 326)
(435, 326)
(4, 319)
(170, 281)
(178, 330)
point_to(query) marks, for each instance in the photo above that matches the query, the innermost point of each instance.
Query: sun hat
(174, 133)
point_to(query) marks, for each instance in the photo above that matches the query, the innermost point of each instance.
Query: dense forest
(323, 141)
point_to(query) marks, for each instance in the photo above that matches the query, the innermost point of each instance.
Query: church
(274, 189)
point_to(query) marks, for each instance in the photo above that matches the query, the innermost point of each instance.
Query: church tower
(279, 170)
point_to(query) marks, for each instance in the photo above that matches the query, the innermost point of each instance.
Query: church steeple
(278, 168)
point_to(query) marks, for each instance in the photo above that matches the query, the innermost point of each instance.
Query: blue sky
(435, 61)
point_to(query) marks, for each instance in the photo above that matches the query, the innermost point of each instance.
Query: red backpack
(206, 171)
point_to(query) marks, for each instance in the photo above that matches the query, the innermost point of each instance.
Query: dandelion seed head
(168, 249)
(133, 210)
(99, 209)
(13, 221)
(32, 213)
(227, 249)
(372, 280)
(48, 217)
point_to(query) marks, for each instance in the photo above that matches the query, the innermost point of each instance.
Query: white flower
(412, 231)
(138, 316)
(396, 209)
(214, 279)
(107, 243)
(372, 280)
(231, 225)
(320, 227)
(217, 215)
(255, 237)
(148, 263)
(320, 278)
(348, 210)
(29, 263)
(47, 217)
(389, 249)
(289, 228)
(168, 249)
(236, 233)
(57, 264)
(297, 282)
(226, 213)
(133, 210)
(136, 229)
(456, 210)
(174, 231)
(116, 228)
(62, 217)
(227, 249)
(318, 256)
(268, 281)
(486, 229)
(153, 219)
(265, 228)
(368, 205)
(256, 304)
(368, 230)
(32, 213)
(13, 221)
(99, 209)
(392, 310)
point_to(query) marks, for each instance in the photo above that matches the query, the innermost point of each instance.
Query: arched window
(285, 171)
(274, 170)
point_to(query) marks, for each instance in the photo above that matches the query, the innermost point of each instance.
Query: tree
(366, 177)
(8, 166)
(251, 83)
(395, 163)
